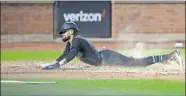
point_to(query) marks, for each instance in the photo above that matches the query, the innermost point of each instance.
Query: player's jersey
(87, 53)
(82, 49)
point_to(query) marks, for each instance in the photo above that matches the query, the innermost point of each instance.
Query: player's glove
(52, 65)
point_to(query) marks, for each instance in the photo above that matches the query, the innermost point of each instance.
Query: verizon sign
(92, 17)
(84, 17)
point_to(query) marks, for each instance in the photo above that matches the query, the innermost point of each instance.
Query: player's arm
(72, 53)
(64, 53)
(65, 58)
(54, 64)
(70, 56)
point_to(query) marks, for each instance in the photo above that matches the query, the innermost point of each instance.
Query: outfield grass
(95, 87)
(13, 55)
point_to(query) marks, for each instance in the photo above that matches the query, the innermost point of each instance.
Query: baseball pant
(110, 57)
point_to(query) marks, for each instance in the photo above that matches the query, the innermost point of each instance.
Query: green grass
(16, 55)
(7, 55)
(96, 87)
(13, 55)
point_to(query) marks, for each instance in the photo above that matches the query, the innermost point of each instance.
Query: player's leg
(145, 61)
(159, 58)
(110, 57)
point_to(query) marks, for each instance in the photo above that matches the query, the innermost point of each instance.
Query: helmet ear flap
(75, 31)
(60, 32)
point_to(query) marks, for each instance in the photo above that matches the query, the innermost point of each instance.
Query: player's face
(66, 35)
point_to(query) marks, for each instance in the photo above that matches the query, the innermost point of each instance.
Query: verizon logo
(84, 17)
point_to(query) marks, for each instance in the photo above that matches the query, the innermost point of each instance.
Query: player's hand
(48, 66)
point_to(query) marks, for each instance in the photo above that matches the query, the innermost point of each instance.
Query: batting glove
(48, 66)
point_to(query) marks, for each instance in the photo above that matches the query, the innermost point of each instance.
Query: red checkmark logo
(103, 13)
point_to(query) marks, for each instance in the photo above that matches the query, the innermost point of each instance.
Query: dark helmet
(68, 25)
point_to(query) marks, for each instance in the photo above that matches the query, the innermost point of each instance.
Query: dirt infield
(30, 69)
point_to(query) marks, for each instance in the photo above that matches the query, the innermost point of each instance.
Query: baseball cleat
(176, 56)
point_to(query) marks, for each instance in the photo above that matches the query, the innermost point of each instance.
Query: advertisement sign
(92, 17)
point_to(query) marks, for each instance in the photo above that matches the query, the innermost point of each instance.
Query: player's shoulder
(79, 37)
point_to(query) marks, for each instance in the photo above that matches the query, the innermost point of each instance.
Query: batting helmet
(68, 25)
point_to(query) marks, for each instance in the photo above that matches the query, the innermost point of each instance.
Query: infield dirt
(30, 69)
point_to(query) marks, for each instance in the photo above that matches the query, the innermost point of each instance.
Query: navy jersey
(87, 53)
(82, 49)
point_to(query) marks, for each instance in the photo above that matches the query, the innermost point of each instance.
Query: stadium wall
(34, 20)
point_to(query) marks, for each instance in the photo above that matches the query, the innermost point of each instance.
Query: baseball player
(78, 46)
